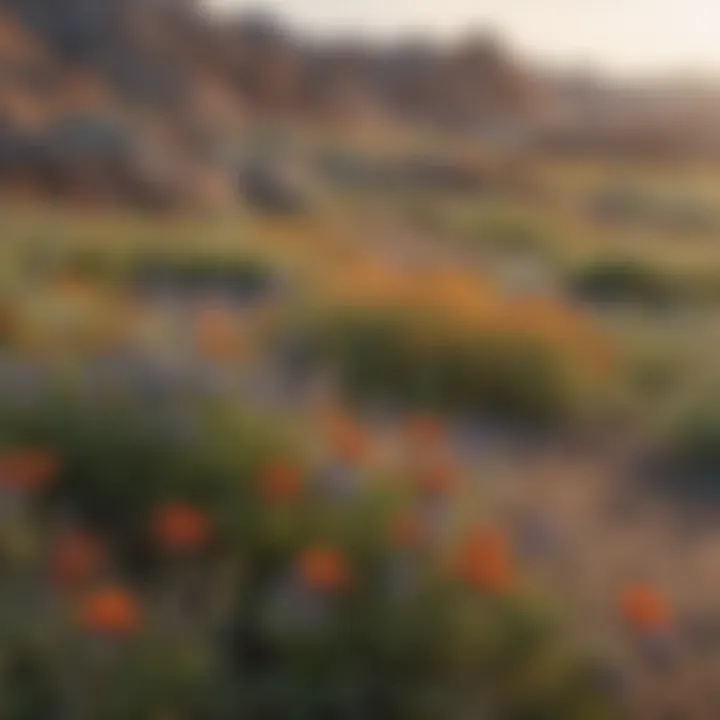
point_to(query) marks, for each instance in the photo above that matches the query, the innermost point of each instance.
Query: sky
(624, 37)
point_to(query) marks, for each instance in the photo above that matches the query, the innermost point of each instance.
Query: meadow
(412, 454)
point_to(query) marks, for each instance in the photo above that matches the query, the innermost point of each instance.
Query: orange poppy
(181, 527)
(216, 334)
(425, 431)
(111, 611)
(348, 440)
(645, 609)
(28, 470)
(438, 479)
(281, 482)
(76, 556)
(485, 562)
(324, 569)
(407, 531)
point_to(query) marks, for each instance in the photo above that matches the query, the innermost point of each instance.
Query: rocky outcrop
(131, 99)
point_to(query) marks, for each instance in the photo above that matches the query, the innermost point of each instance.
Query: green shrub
(686, 461)
(393, 355)
(243, 276)
(624, 280)
(696, 441)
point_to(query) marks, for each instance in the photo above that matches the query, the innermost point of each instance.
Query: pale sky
(626, 36)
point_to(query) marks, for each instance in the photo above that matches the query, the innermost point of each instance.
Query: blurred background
(359, 362)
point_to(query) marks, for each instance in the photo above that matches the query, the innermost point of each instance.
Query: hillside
(103, 99)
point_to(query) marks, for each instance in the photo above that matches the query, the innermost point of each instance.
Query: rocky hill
(138, 100)
(131, 99)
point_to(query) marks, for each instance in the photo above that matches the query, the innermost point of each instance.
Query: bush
(228, 632)
(452, 341)
(120, 463)
(524, 361)
(686, 459)
(386, 355)
(624, 280)
(696, 439)
(244, 277)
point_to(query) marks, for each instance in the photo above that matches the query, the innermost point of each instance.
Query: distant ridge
(131, 99)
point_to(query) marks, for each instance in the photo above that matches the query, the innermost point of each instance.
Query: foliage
(233, 630)
(454, 343)
(625, 280)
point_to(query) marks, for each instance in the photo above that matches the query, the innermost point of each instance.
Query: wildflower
(485, 562)
(349, 442)
(438, 479)
(649, 615)
(28, 470)
(645, 609)
(216, 334)
(76, 556)
(111, 611)
(324, 569)
(281, 482)
(181, 527)
(425, 431)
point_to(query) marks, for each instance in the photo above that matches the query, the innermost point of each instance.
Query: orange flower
(324, 569)
(28, 470)
(76, 556)
(485, 562)
(407, 531)
(438, 479)
(645, 610)
(181, 527)
(348, 440)
(425, 431)
(111, 611)
(280, 483)
(216, 335)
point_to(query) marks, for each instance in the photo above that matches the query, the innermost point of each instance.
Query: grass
(453, 341)
(234, 628)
